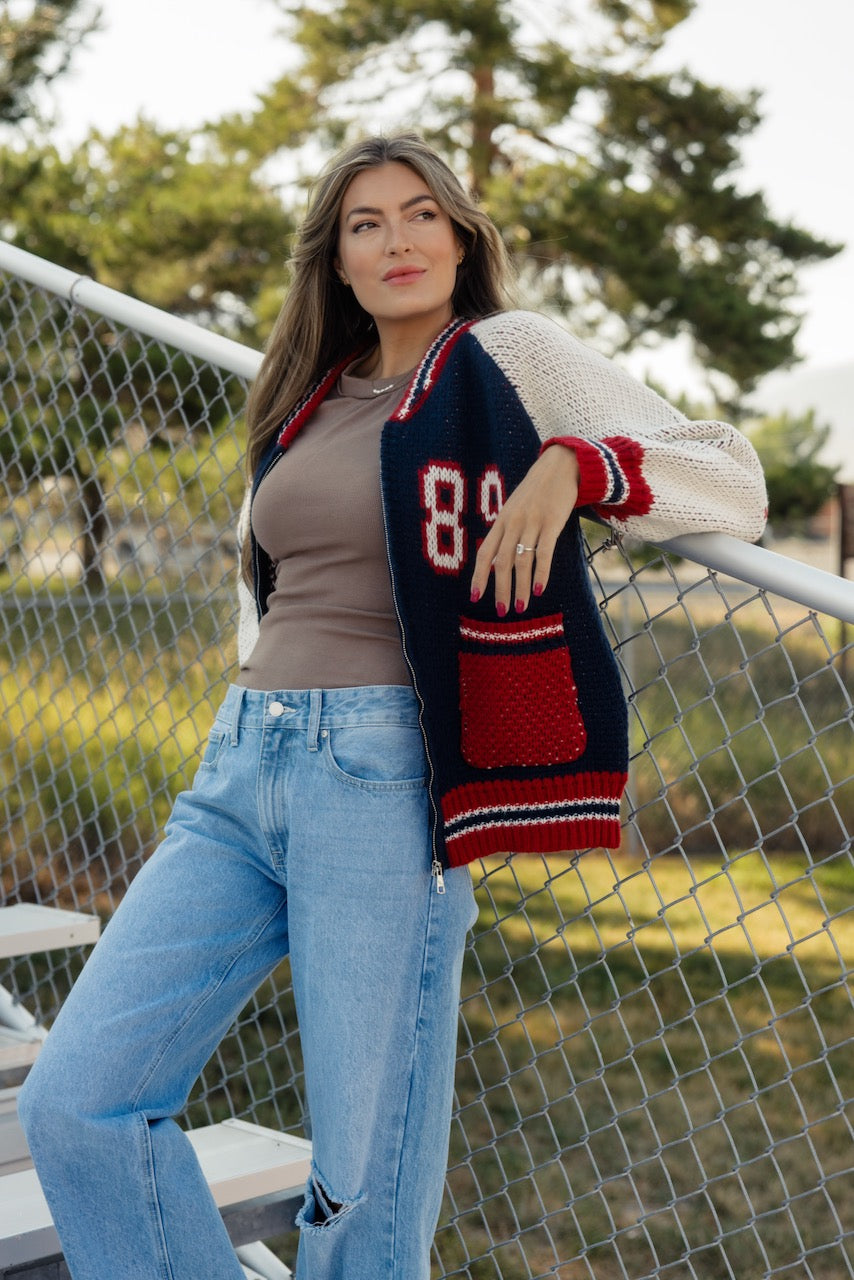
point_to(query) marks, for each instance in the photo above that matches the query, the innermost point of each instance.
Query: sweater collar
(419, 387)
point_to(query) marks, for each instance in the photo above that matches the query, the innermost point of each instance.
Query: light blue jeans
(305, 833)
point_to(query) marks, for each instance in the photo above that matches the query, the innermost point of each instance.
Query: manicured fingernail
(475, 595)
(520, 606)
(501, 609)
(538, 588)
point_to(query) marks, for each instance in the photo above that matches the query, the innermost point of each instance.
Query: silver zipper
(437, 870)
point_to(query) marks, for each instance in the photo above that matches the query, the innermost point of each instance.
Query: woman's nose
(399, 239)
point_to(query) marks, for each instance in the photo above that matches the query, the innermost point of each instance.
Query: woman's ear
(339, 271)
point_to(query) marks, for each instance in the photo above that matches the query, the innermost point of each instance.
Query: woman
(423, 681)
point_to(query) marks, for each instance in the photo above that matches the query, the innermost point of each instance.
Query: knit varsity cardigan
(524, 719)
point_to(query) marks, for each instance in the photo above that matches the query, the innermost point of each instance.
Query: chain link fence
(655, 1052)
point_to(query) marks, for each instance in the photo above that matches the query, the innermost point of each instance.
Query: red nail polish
(520, 606)
(475, 595)
(538, 588)
(501, 609)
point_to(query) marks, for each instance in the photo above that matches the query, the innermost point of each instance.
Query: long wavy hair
(321, 321)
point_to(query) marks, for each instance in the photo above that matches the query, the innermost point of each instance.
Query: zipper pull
(440, 876)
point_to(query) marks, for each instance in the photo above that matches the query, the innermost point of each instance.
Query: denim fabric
(306, 833)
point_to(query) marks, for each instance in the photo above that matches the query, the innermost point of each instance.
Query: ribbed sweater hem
(537, 815)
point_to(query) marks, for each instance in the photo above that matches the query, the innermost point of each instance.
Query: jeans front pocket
(518, 698)
(377, 756)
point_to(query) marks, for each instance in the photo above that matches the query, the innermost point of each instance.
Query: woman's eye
(428, 214)
(358, 226)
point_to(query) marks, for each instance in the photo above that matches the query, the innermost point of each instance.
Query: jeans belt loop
(235, 716)
(315, 705)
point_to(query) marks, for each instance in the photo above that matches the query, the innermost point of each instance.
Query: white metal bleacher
(25, 929)
(257, 1175)
(244, 1165)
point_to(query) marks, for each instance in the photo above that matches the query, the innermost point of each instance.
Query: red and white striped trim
(567, 810)
(540, 815)
(511, 632)
(429, 369)
(301, 412)
(611, 474)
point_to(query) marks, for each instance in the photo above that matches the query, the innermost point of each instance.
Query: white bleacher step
(19, 1048)
(259, 1263)
(26, 928)
(21, 1037)
(241, 1162)
(14, 1153)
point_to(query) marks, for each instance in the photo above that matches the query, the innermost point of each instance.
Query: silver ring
(521, 548)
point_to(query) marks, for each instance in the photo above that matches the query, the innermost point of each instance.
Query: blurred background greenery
(655, 1068)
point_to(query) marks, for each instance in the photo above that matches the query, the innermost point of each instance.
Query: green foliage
(72, 397)
(161, 215)
(37, 43)
(613, 184)
(799, 484)
(157, 214)
(103, 722)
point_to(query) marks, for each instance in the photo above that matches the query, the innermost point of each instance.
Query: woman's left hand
(534, 516)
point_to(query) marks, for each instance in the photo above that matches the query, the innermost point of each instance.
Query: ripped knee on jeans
(323, 1208)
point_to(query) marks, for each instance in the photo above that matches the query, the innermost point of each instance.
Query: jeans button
(277, 708)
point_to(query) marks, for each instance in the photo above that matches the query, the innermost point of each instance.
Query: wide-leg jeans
(306, 833)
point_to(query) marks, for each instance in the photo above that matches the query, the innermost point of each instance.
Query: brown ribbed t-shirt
(318, 514)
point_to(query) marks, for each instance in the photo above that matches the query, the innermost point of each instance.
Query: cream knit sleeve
(645, 467)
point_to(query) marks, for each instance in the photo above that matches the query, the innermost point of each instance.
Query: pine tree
(157, 215)
(614, 184)
(36, 45)
(790, 448)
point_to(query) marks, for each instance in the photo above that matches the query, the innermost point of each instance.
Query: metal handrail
(83, 291)
(781, 575)
(803, 584)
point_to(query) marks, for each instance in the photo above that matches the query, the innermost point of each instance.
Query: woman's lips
(404, 277)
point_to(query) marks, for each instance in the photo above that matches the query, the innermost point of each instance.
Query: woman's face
(397, 247)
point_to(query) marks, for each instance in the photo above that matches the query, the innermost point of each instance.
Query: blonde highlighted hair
(321, 321)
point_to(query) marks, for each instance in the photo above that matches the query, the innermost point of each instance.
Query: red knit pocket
(518, 700)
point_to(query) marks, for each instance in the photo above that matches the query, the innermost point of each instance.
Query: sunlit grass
(655, 1060)
(653, 1067)
(106, 707)
(643, 1088)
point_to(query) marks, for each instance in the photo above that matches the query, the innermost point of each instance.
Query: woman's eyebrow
(407, 204)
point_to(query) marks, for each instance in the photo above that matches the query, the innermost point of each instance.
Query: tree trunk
(92, 534)
(483, 148)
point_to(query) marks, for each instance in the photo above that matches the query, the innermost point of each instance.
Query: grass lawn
(655, 1070)
(653, 1066)
(653, 1078)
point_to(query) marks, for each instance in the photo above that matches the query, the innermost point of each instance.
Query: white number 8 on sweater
(444, 500)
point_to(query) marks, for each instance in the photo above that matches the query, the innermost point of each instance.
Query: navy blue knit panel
(469, 430)
(263, 569)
